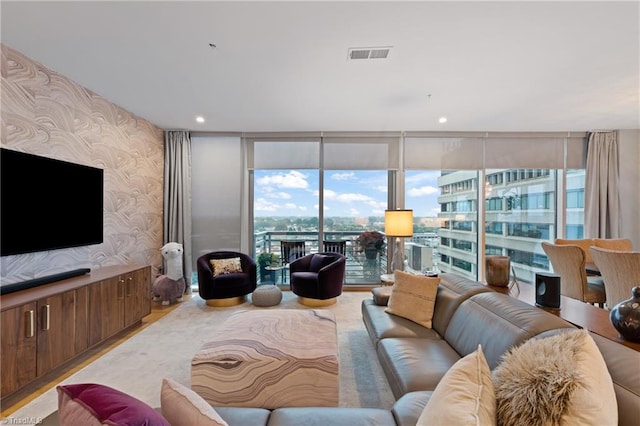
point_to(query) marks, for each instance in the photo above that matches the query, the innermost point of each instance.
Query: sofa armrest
(381, 295)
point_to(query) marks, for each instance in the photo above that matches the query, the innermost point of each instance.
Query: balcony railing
(359, 270)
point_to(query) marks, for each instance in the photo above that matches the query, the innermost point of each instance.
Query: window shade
(285, 155)
(443, 153)
(361, 153)
(526, 152)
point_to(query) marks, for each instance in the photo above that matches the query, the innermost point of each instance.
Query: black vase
(625, 316)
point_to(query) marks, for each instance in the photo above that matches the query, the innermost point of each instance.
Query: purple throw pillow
(89, 403)
(319, 261)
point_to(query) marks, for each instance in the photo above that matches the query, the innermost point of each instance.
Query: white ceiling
(282, 66)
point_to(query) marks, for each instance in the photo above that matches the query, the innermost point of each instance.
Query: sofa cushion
(561, 379)
(91, 404)
(413, 297)
(334, 416)
(415, 364)
(225, 266)
(183, 407)
(622, 363)
(497, 322)
(381, 325)
(407, 409)
(242, 416)
(464, 396)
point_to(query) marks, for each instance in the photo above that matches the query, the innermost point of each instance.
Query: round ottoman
(266, 295)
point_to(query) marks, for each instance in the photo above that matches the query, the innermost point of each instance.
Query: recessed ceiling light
(200, 119)
(442, 120)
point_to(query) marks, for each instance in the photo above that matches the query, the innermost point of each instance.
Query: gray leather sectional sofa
(414, 358)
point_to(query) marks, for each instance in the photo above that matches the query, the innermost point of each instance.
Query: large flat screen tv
(48, 204)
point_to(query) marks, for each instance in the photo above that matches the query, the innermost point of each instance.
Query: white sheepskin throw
(558, 380)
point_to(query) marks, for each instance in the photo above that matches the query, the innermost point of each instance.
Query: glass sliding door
(356, 193)
(441, 186)
(285, 211)
(520, 214)
(285, 207)
(354, 203)
(325, 191)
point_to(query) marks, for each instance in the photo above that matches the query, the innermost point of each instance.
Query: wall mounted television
(48, 204)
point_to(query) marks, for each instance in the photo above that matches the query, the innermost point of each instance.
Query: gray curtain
(602, 186)
(177, 195)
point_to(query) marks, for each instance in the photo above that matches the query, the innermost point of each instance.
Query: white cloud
(354, 212)
(290, 206)
(265, 206)
(381, 188)
(343, 176)
(353, 197)
(329, 194)
(291, 179)
(422, 191)
(280, 195)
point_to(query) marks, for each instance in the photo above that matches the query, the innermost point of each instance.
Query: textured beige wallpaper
(47, 114)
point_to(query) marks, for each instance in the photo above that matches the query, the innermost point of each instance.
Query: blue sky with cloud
(359, 193)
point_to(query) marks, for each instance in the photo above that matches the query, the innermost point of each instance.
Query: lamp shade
(398, 223)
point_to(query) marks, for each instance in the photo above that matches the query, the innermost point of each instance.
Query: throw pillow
(183, 407)
(561, 379)
(413, 297)
(93, 404)
(464, 395)
(225, 266)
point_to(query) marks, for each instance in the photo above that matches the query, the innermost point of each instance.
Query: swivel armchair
(317, 278)
(230, 284)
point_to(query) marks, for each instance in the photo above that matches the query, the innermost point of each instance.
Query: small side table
(274, 270)
(387, 279)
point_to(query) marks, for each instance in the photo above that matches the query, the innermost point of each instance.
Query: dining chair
(620, 271)
(335, 246)
(290, 251)
(568, 261)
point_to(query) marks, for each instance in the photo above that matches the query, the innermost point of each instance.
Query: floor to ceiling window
(521, 205)
(472, 195)
(323, 193)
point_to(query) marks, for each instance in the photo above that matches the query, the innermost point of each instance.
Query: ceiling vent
(369, 53)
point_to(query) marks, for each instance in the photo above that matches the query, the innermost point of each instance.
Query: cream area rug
(165, 348)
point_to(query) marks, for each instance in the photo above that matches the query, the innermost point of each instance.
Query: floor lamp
(398, 224)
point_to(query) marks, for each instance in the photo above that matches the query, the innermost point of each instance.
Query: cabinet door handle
(30, 318)
(121, 295)
(46, 314)
(129, 286)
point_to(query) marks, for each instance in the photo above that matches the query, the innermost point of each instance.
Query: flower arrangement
(371, 240)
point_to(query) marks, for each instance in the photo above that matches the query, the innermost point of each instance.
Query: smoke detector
(369, 52)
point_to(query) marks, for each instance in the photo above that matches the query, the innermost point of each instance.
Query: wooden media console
(44, 327)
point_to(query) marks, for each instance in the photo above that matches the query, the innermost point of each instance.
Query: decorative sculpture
(170, 287)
